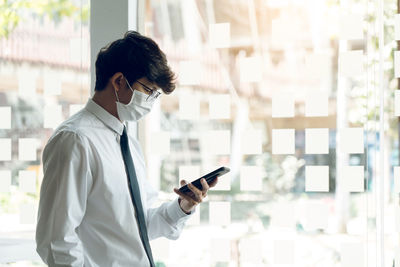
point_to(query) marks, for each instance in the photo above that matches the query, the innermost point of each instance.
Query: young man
(95, 199)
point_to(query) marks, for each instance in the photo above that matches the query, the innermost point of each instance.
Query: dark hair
(136, 56)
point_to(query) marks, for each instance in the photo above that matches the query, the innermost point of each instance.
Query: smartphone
(209, 178)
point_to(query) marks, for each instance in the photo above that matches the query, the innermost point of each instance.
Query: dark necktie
(135, 194)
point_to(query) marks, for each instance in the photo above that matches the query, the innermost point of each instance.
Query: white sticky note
(317, 66)
(27, 181)
(317, 179)
(52, 83)
(220, 35)
(220, 249)
(217, 142)
(396, 64)
(189, 173)
(194, 218)
(220, 106)
(396, 179)
(160, 248)
(189, 72)
(251, 250)
(317, 214)
(284, 251)
(283, 215)
(189, 107)
(351, 140)
(160, 143)
(351, 63)
(220, 213)
(250, 69)
(5, 181)
(26, 83)
(397, 255)
(5, 151)
(74, 108)
(352, 254)
(283, 105)
(317, 141)
(251, 142)
(27, 148)
(251, 178)
(283, 141)
(397, 28)
(353, 178)
(5, 117)
(79, 51)
(27, 213)
(317, 104)
(351, 26)
(52, 116)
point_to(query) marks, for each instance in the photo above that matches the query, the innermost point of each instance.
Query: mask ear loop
(116, 95)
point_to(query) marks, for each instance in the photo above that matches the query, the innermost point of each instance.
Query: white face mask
(136, 108)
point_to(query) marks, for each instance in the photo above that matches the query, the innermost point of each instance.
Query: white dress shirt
(86, 216)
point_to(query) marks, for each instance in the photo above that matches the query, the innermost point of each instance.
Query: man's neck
(107, 101)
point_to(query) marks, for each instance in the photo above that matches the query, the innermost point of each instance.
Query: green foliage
(12, 12)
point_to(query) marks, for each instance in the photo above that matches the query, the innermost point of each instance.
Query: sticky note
(26, 83)
(220, 213)
(5, 151)
(397, 255)
(353, 178)
(397, 27)
(317, 179)
(194, 218)
(27, 148)
(251, 142)
(27, 213)
(52, 83)
(317, 141)
(283, 105)
(5, 117)
(74, 108)
(317, 214)
(351, 140)
(27, 181)
(217, 142)
(251, 178)
(397, 218)
(189, 172)
(160, 143)
(189, 107)
(352, 254)
(283, 141)
(220, 249)
(79, 50)
(189, 72)
(220, 35)
(351, 63)
(283, 215)
(160, 248)
(52, 116)
(396, 179)
(251, 250)
(351, 26)
(284, 251)
(220, 106)
(316, 104)
(250, 69)
(397, 102)
(5, 181)
(397, 64)
(317, 66)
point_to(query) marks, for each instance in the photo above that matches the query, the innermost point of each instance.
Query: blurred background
(297, 97)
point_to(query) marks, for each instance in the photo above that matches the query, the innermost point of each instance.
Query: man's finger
(183, 182)
(185, 196)
(205, 185)
(214, 182)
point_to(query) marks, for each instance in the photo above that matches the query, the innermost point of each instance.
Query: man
(95, 200)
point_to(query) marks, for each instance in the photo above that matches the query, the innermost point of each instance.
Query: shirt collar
(109, 120)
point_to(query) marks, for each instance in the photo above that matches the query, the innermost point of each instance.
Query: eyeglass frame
(153, 92)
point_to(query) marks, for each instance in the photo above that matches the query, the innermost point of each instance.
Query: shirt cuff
(176, 213)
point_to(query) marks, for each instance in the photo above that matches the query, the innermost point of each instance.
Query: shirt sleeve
(64, 190)
(167, 220)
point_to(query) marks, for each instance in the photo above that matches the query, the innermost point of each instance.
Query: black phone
(209, 178)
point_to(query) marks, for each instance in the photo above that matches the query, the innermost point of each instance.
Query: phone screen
(209, 178)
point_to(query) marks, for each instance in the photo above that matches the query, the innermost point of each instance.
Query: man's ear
(117, 81)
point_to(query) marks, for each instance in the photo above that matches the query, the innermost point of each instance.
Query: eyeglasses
(154, 94)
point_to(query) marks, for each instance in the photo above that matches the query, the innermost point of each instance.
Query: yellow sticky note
(5, 117)
(52, 116)
(316, 104)
(317, 141)
(160, 144)
(251, 178)
(217, 142)
(250, 69)
(351, 26)
(251, 142)
(27, 149)
(284, 251)
(317, 179)
(27, 181)
(189, 72)
(189, 106)
(283, 141)
(5, 151)
(351, 63)
(5, 181)
(220, 213)
(220, 35)
(220, 249)
(283, 105)
(351, 140)
(352, 254)
(353, 178)
(27, 213)
(220, 106)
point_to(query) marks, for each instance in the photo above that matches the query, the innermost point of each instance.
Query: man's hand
(190, 200)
